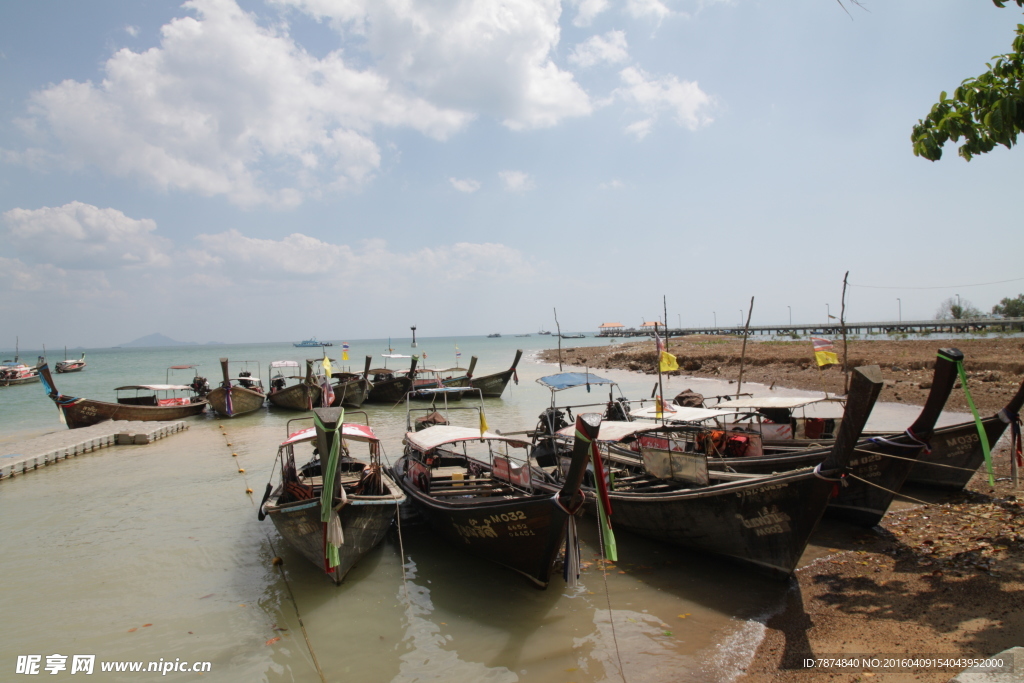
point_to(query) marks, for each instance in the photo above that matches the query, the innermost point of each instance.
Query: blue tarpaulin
(568, 380)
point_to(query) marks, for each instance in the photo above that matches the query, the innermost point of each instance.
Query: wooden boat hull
(242, 401)
(351, 393)
(70, 366)
(365, 521)
(525, 534)
(492, 386)
(82, 412)
(18, 380)
(957, 446)
(389, 390)
(766, 523)
(296, 397)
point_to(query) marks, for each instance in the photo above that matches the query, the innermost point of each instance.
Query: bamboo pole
(842, 323)
(743, 355)
(558, 330)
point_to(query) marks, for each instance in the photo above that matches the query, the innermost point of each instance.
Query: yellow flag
(659, 407)
(327, 365)
(667, 362)
(826, 358)
(483, 424)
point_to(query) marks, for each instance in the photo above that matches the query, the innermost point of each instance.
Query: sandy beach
(942, 575)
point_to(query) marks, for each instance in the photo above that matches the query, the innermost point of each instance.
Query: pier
(953, 326)
(18, 458)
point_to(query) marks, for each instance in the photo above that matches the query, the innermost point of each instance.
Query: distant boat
(573, 336)
(493, 336)
(70, 365)
(543, 331)
(309, 343)
(522, 335)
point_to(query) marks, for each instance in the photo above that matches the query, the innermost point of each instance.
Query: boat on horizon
(311, 343)
(73, 365)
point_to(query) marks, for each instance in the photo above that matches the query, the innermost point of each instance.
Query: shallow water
(155, 552)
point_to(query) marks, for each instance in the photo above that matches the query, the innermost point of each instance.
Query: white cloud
(300, 257)
(587, 10)
(516, 181)
(133, 31)
(226, 107)
(610, 48)
(492, 58)
(614, 184)
(468, 185)
(83, 237)
(638, 9)
(684, 100)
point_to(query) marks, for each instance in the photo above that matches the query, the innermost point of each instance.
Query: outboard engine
(618, 410)
(550, 421)
(200, 386)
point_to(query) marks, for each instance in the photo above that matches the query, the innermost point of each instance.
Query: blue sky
(262, 171)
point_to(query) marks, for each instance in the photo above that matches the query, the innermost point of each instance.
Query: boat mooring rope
(910, 498)
(398, 527)
(279, 564)
(608, 600)
(929, 464)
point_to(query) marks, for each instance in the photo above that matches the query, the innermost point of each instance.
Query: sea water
(154, 554)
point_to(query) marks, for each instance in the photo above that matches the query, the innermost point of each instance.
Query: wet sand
(945, 578)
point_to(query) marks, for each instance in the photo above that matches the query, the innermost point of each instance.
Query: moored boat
(304, 394)
(352, 389)
(493, 386)
(73, 365)
(389, 386)
(237, 395)
(478, 494)
(332, 526)
(159, 402)
(761, 520)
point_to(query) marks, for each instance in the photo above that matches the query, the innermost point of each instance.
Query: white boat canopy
(432, 437)
(349, 430)
(156, 387)
(394, 355)
(675, 413)
(284, 364)
(756, 402)
(612, 430)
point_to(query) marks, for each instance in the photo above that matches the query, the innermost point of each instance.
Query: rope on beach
(911, 499)
(398, 526)
(929, 464)
(608, 600)
(280, 570)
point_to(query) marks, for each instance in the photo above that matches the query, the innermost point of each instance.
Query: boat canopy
(155, 387)
(394, 355)
(284, 364)
(568, 380)
(181, 367)
(674, 413)
(757, 402)
(612, 430)
(432, 437)
(442, 390)
(349, 430)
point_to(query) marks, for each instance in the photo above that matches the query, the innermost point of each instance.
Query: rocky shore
(942, 575)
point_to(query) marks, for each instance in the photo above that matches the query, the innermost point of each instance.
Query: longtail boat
(82, 412)
(493, 386)
(303, 395)
(236, 395)
(352, 389)
(389, 386)
(73, 365)
(956, 452)
(361, 501)
(478, 494)
(761, 520)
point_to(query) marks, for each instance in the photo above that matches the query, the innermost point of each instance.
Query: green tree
(1011, 308)
(985, 111)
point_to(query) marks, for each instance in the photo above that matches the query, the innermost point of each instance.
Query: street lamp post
(790, 315)
(900, 303)
(741, 317)
(828, 314)
(716, 319)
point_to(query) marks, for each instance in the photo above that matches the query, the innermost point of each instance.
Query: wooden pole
(842, 323)
(743, 355)
(558, 330)
(661, 389)
(664, 309)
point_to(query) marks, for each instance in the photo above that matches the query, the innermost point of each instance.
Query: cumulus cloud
(223, 104)
(299, 257)
(683, 100)
(83, 237)
(610, 48)
(468, 185)
(615, 184)
(639, 9)
(477, 55)
(587, 10)
(516, 181)
(133, 31)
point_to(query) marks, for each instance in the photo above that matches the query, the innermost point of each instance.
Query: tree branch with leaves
(984, 111)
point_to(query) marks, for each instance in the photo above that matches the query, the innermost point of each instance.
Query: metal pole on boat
(413, 328)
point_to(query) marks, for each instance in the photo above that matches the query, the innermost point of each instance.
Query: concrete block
(142, 438)
(125, 439)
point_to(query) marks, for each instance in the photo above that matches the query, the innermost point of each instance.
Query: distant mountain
(157, 339)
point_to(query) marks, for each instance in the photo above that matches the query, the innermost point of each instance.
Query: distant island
(157, 339)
